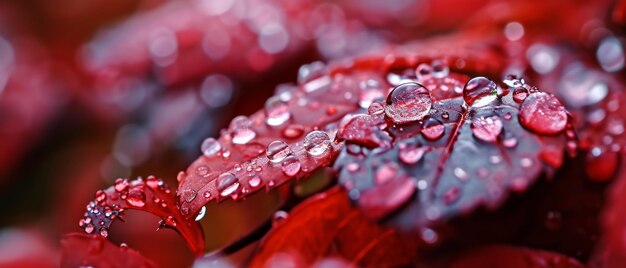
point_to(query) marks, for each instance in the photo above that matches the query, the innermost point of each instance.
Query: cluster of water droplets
(111, 204)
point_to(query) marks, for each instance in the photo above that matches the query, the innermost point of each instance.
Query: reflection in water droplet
(241, 130)
(277, 151)
(254, 181)
(227, 184)
(317, 143)
(520, 94)
(136, 198)
(479, 91)
(487, 128)
(276, 111)
(210, 147)
(408, 102)
(375, 109)
(201, 213)
(440, 69)
(543, 113)
(410, 154)
(433, 129)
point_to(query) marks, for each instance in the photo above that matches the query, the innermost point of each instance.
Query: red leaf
(512, 257)
(454, 147)
(81, 250)
(237, 163)
(152, 196)
(327, 225)
(611, 251)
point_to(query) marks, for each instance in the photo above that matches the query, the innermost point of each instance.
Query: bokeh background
(91, 91)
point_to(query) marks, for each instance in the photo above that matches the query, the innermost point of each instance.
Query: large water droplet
(479, 91)
(277, 151)
(317, 143)
(254, 181)
(440, 69)
(201, 213)
(408, 102)
(433, 129)
(136, 197)
(120, 185)
(210, 147)
(487, 128)
(189, 195)
(290, 166)
(310, 71)
(520, 94)
(241, 130)
(375, 109)
(276, 111)
(543, 113)
(227, 184)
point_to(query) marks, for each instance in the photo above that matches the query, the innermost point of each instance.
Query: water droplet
(308, 72)
(526, 162)
(510, 142)
(317, 143)
(277, 151)
(169, 221)
(542, 58)
(440, 69)
(202, 170)
(136, 198)
(254, 181)
(276, 111)
(386, 173)
(279, 216)
(104, 232)
(580, 86)
(408, 102)
(189, 195)
(520, 94)
(293, 131)
(487, 128)
(610, 54)
(153, 182)
(201, 213)
(479, 91)
(210, 147)
(121, 185)
(423, 71)
(101, 196)
(206, 194)
(410, 154)
(241, 130)
(513, 31)
(89, 228)
(461, 174)
(227, 184)
(290, 166)
(429, 236)
(543, 113)
(433, 129)
(375, 109)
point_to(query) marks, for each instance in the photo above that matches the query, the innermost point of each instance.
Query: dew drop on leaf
(520, 94)
(487, 128)
(136, 198)
(433, 129)
(210, 147)
(290, 166)
(276, 111)
(375, 109)
(543, 113)
(479, 91)
(277, 151)
(317, 143)
(241, 130)
(227, 184)
(408, 102)
(410, 154)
